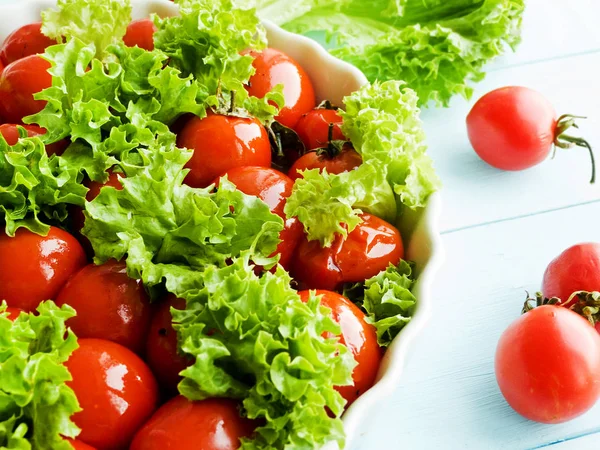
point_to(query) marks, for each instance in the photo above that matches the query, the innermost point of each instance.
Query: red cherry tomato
(313, 128)
(345, 161)
(10, 132)
(274, 188)
(34, 268)
(13, 313)
(25, 41)
(116, 391)
(274, 67)
(109, 305)
(141, 33)
(19, 81)
(370, 248)
(78, 445)
(575, 269)
(512, 128)
(161, 346)
(221, 143)
(548, 365)
(212, 424)
(358, 336)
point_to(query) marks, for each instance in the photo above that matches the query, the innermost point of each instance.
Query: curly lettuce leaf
(254, 339)
(35, 403)
(93, 22)
(438, 47)
(382, 121)
(387, 300)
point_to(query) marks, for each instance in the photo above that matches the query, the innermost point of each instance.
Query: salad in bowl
(214, 235)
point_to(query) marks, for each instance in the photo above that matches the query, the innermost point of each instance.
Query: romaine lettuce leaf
(438, 47)
(387, 300)
(35, 403)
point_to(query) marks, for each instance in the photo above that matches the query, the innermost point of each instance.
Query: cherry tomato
(18, 82)
(10, 132)
(141, 33)
(345, 161)
(221, 143)
(161, 346)
(25, 41)
(109, 305)
(313, 128)
(274, 67)
(34, 268)
(512, 128)
(116, 391)
(548, 365)
(575, 269)
(212, 424)
(370, 248)
(358, 336)
(13, 313)
(78, 445)
(274, 188)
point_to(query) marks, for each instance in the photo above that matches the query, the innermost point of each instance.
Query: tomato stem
(567, 141)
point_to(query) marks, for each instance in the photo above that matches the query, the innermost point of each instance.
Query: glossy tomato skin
(78, 445)
(274, 67)
(348, 159)
(548, 365)
(358, 336)
(370, 248)
(116, 391)
(512, 128)
(212, 424)
(141, 33)
(25, 41)
(109, 305)
(13, 313)
(34, 268)
(10, 132)
(575, 269)
(161, 346)
(274, 188)
(221, 143)
(313, 128)
(19, 81)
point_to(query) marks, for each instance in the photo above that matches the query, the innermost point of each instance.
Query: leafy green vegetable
(387, 299)
(382, 121)
(35, 403)
(437, 46)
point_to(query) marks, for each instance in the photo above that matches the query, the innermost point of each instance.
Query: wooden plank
(475, 193)
(589, 442)
(448, 397)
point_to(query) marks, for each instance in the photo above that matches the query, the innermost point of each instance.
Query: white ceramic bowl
(333, 79)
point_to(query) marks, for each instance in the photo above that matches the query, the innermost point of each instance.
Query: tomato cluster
(128, 361)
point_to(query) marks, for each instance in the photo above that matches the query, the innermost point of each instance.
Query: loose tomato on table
(274, 188)
(141, 33)
(332, 159)
(162, 353)
(109, 305)
(370, 248)
(19, 81)
(116, 391)
(212, 424)
(515, 128)
(576, 269)
(10, 132)
(25, 41)
(548, 365)
(221, 143)
(273, 68)
(319, 127)
(34, 268)
(358, 336)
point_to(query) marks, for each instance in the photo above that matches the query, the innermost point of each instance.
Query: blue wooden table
(500, 232)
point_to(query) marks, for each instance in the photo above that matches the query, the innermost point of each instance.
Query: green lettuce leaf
(382, 121)
(97, 23)
(35, 403)
(387, 300)
(438, 47)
